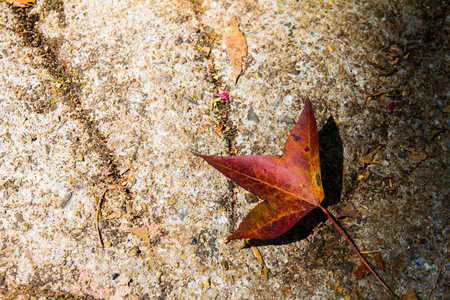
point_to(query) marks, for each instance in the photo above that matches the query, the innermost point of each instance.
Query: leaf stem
(330, 216)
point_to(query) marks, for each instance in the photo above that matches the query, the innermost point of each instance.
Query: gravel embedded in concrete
(107, 100)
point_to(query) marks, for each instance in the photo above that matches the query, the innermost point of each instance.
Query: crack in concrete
(222, 111)
(69, 94)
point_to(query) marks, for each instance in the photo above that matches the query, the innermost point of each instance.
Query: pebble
(83, 169)
(172, 201)
(252, 116)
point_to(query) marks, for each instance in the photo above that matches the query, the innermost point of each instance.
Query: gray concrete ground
(105, 100)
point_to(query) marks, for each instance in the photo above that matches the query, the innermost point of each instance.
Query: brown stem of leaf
(330, 216)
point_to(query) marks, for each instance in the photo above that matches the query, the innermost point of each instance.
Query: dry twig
(97, 216)
(441, 267)
(261, 260)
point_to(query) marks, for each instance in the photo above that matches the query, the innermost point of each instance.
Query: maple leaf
(290, 185)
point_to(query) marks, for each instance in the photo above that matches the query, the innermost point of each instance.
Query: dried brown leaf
(236, 45)
(361, 271)
(418, 155)
(446, 109)
(380, 262)
(348, 211)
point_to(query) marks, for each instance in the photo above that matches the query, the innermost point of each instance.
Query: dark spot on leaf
(307, 149)
(296, 138)
(318, 180)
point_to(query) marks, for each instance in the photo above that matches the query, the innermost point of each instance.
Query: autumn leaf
(290, 185)
(236, 45)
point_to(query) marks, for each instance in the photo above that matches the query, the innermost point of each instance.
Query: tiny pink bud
(224, 96)
(391, 106)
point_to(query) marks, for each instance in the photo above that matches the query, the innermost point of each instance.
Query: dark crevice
(69, 92)
(206, 38)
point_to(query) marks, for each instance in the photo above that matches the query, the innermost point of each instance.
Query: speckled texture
(115, 96)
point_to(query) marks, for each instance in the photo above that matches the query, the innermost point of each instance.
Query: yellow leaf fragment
(141, 232)
(236, 45)
(411, 295)
(434, 133)
(21, 3)
(376, 94)
(261, 261)
(446, 109)
(367, 159)
(418, 155)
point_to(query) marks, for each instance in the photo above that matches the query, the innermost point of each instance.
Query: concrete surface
(105, 100)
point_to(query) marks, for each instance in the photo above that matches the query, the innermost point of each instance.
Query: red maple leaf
(290, 185)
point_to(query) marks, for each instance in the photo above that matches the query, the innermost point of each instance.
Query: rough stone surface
(104, 101)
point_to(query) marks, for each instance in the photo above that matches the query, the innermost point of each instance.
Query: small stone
(252, 116)
(80, 157)
(83, 169)
(287, 121)
(363, 283)
(250, 198)
(330, 48)
(347, 267)
(225, 265)
(319, 261)
(172, 201)
(65, 201)
(135, 251)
